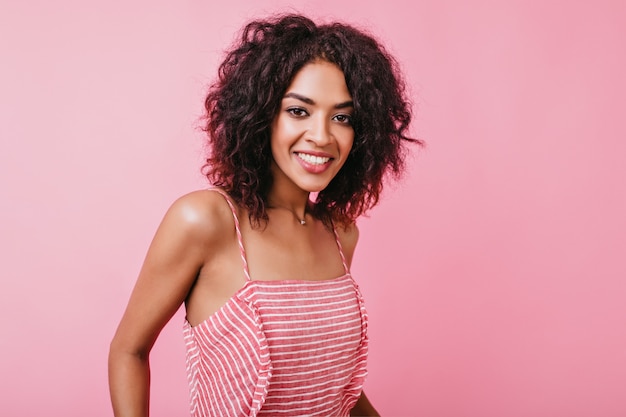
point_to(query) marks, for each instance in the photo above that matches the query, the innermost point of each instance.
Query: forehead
(320, 81)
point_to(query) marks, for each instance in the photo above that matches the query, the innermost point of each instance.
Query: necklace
(302, 221)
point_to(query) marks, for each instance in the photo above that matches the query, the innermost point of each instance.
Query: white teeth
(312, 159)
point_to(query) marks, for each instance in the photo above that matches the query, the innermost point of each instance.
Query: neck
(286, 198)
(297, 208)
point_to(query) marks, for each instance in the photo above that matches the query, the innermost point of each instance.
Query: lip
(317, 153)
(314, 168)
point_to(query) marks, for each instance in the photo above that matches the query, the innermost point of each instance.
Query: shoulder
(348, 236)
(348, 233)
(202, 215)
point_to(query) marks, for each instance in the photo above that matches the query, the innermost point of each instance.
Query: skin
(194, 256)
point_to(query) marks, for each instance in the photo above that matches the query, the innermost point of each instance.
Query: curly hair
(244, 100)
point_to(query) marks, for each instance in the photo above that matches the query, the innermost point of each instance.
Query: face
(312, 133)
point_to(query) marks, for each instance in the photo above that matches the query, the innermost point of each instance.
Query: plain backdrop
(494, 273)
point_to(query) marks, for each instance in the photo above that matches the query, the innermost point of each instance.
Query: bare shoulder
(348, 233)
(349, 237)
(202, 215)
(194, 226)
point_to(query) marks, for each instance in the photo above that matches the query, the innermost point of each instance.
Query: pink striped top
(280, 348)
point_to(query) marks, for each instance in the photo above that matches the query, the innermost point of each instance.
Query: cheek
(283, 132)
(277, 137)
(347, 144)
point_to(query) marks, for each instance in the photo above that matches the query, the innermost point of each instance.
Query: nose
(319, 131)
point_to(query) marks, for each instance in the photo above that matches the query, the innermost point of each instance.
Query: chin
(313, 188)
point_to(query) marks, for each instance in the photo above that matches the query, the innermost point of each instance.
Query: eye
(343, 118)
(297, 111)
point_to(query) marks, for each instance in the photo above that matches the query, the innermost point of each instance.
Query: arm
(174, 258)
(363, 408)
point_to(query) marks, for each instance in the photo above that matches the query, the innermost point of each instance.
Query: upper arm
(188, 231)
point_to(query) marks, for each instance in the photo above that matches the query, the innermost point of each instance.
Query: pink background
(495, 273)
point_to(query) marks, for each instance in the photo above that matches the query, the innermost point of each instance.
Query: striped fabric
(280, 348)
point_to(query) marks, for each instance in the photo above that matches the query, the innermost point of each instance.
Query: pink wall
(494, 274)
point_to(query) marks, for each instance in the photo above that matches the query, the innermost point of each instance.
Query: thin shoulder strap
(343, 258)
(242, 250)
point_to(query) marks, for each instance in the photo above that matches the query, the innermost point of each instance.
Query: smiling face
(312, 133)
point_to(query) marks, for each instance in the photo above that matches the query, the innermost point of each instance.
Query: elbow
(118, 350)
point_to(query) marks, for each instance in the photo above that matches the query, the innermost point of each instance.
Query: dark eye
(297, 111)
(343, 118)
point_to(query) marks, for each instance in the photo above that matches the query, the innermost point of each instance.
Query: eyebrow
(307, 100)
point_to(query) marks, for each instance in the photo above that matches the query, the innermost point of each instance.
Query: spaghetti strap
(242, 250)
(343, 258)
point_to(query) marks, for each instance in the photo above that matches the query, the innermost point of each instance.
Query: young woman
(304, 124)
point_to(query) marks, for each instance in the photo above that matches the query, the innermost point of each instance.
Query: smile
(313, 159)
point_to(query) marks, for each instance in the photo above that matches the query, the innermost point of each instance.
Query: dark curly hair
(246, 97)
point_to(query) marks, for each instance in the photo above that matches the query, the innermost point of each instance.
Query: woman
(304, 123)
